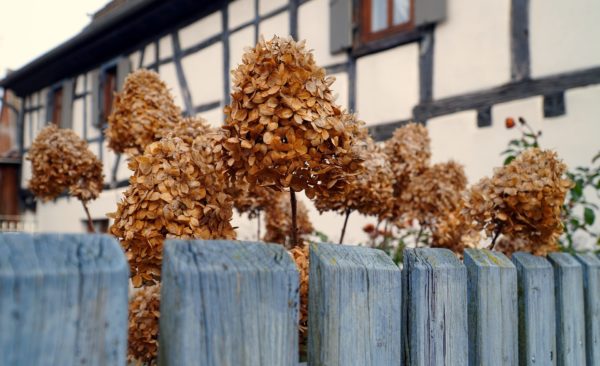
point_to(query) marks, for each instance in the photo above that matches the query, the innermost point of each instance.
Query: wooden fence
(63, 301)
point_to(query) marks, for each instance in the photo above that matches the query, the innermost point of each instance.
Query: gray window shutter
(66, 119)
(123, 69)
(340, 25)
(95, 85)
(429, 11)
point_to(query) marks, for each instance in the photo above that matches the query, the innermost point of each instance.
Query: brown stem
(294, 228)
(496, 235)
(258, 226)
(419, 235)
(89, 218)
(344, 227)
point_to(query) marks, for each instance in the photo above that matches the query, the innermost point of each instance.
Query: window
(56, 105)
(108, 87)
(382, 18)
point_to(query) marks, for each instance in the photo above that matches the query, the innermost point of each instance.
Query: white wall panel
(149, 54)
(77, 116)
(340, 88)
(239, 41)
(313, 26)
(240, 12)
(134, 60)
(200, 30)
(472, 47)
(278, 25)
(563, 35)
(387, 84)
(204, 74)
(165, 47)
(168, 74)
(266, 6)
(215, 117)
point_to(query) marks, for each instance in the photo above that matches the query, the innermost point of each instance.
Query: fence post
(354, 307)
(63, 300)
(228, 303)
(435, 293)
(570, 323)
(537, 316)
(492, 299)
(591, 287)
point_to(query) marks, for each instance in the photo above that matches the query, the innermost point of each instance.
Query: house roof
(114, 33)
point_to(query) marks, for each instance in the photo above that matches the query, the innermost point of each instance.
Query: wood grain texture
(228, 303)
(591, 287)
(63, 300)
(492, 306)
(570, 322)
(435, 293)
(537, 315)
(354, 307)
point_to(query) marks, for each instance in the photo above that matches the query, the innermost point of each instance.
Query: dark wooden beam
(384, 131)
(506, 93)
(519, 40)
(185, 91)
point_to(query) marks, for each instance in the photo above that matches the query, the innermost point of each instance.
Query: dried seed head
(142, 113)
(279, 220)
(523, 201)
(250, 199)
(144, 311)
(300, 254)
(285, 131)
(60, 160)
(178, 191)
(189, 129)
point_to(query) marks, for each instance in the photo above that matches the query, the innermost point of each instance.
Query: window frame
(55, 94)
(365, 36)
(108, 68)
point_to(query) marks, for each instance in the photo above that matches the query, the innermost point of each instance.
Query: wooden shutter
(340, 25)
(429, 11)
(123, 69)
(66, 120)
(95, 89)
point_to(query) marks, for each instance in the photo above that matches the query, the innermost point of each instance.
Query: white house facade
(459, 66)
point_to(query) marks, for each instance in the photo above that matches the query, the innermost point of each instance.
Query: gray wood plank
(63, 300)
(435, 293)
(228, 303)
(492, 306)
(354, 307)
(570, 323)
(591, 286)
(537, 315)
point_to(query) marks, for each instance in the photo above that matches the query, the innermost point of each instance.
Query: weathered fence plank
(537, 315)
(63, 300)
(570, 324)
(435, 293)
(591, 285)
(492, 306)
(228, 303)
(354, 307)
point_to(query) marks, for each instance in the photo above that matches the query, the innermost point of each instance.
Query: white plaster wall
(26, 131)
(204, 74)
(168, 74)
(78, 116)
(215, 117)
(149, 54)
(266, 6)
(123, 172)
(79, 84)
(387, 84)
(472, 47)
(240, 12)
(313, 26)
(563, 35)
(200, 30)
(278, 25)
(340, 89)
(134, 60)
(238, 42)
(25, 172)
(165, 46)
(108, 161)
(92, 131)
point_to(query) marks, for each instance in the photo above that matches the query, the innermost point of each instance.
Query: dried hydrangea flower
(279, 221)
(142, 113)
(177, 190)
(61, 160)
(523, 199)
(300, 254)
(144, 312)
(454, 232)
(508, 246)
(285, 130)
(250, 199)
(433, 193)
(189, 128)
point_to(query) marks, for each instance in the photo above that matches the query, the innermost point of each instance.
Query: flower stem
(294, 232)
(344, 227)
(258, 226)
(89, 218)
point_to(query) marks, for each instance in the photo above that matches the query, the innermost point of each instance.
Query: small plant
(61, 161)
(142, 113)
(285, 131)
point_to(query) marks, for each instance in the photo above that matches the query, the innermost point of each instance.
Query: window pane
(379, 14)
(401, 11)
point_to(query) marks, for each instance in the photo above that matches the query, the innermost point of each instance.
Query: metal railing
(16, 223)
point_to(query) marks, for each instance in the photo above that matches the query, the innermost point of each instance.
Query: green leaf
(508, 159)
(589, 216)
(575, 224)
(577, 190)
